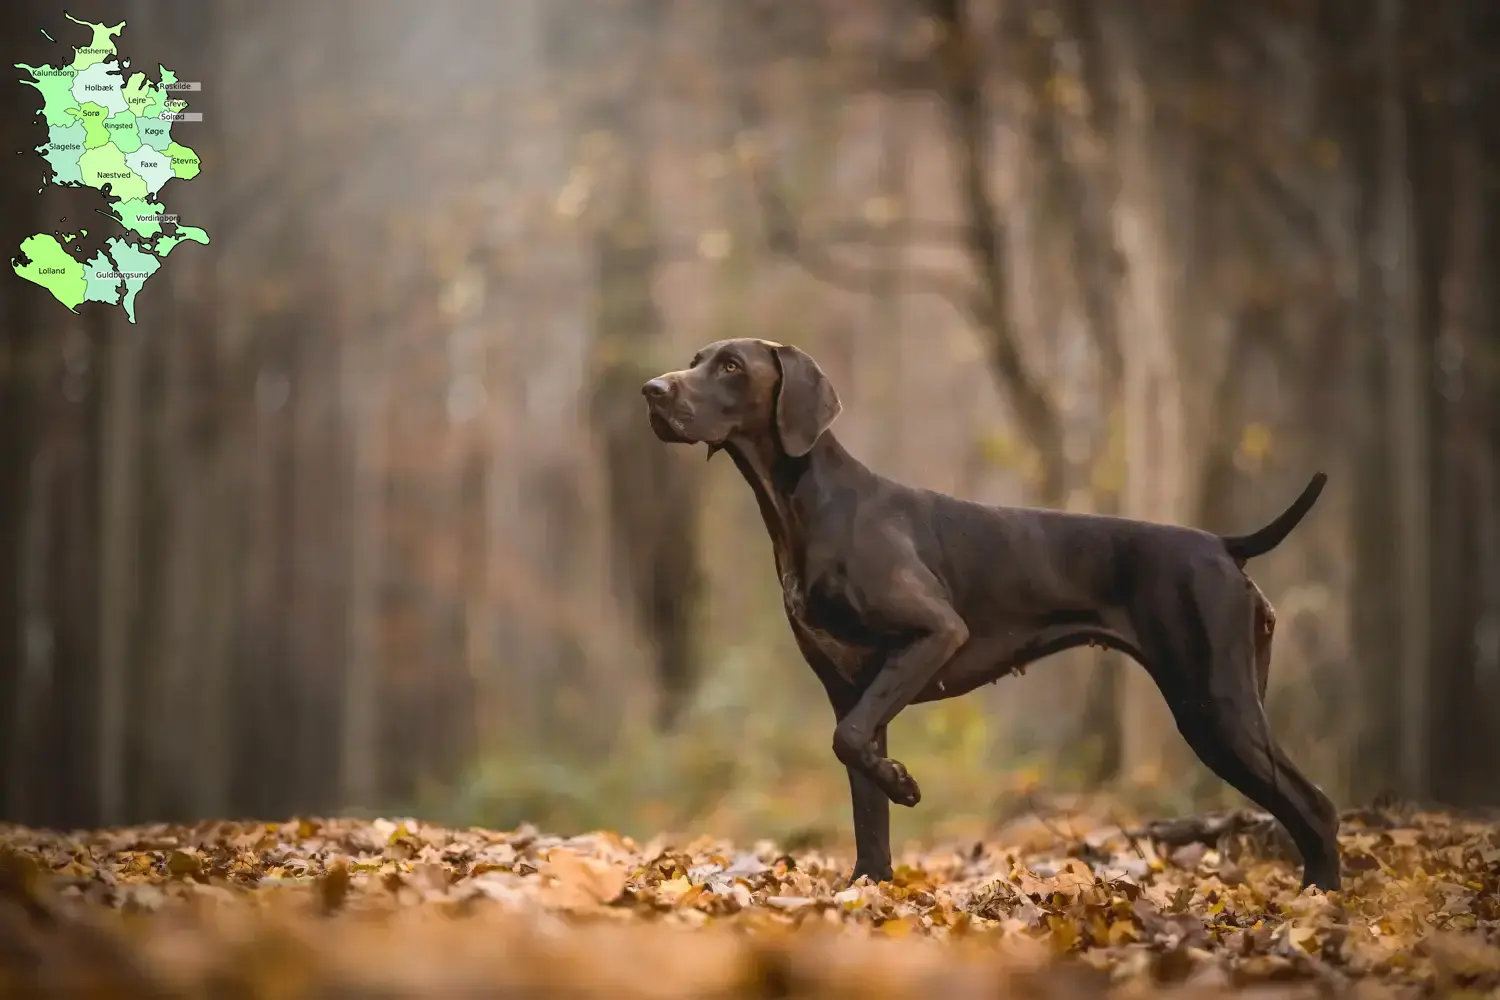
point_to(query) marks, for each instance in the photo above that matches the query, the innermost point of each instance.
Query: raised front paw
(897, 784)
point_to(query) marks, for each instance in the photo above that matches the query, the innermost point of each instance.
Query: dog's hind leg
(1208, 672)
(1238, 751)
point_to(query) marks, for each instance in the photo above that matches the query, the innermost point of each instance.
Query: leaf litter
(1205, 906)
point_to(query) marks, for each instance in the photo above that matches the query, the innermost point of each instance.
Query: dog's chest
(825, 626)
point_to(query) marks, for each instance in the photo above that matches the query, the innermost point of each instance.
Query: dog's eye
(729, 367)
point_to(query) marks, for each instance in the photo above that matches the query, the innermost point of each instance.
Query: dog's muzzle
(667, 419)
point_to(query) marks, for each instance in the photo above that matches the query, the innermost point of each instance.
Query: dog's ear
(806, 404)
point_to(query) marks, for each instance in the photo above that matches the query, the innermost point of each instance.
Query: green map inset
(113, 135)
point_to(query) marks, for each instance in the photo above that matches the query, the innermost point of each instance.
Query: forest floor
(1065, 906)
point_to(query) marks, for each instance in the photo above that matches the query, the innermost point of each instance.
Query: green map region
(111, 134)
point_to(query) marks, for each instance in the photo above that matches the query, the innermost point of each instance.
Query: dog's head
(744, 389)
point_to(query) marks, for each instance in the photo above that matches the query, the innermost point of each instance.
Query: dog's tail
(1258, 543)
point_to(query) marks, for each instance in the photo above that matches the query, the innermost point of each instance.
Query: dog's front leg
(872, 822)
(872, 807)
(901, 679)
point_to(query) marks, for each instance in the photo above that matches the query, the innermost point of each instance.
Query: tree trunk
(1406, 412)
(651, 492)
(67, 775)
(364, 399)
(119, 527)
(1449, 157)
(22, 369)
(963, 56)
(1155, 445)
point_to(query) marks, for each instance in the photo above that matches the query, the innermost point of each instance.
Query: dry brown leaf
(577, 882)
(184, 863)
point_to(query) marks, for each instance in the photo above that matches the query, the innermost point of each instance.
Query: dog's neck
(788, 490)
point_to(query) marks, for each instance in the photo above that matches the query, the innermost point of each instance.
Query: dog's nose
(656, 389)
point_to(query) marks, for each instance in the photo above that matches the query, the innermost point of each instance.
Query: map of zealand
(111, 133)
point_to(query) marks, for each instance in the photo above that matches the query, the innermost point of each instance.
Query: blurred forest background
(365, 515)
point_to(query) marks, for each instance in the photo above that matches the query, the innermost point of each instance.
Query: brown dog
(898, 595)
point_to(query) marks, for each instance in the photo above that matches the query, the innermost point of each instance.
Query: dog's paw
(899, 785)
(875, 873)
(1325, 879)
